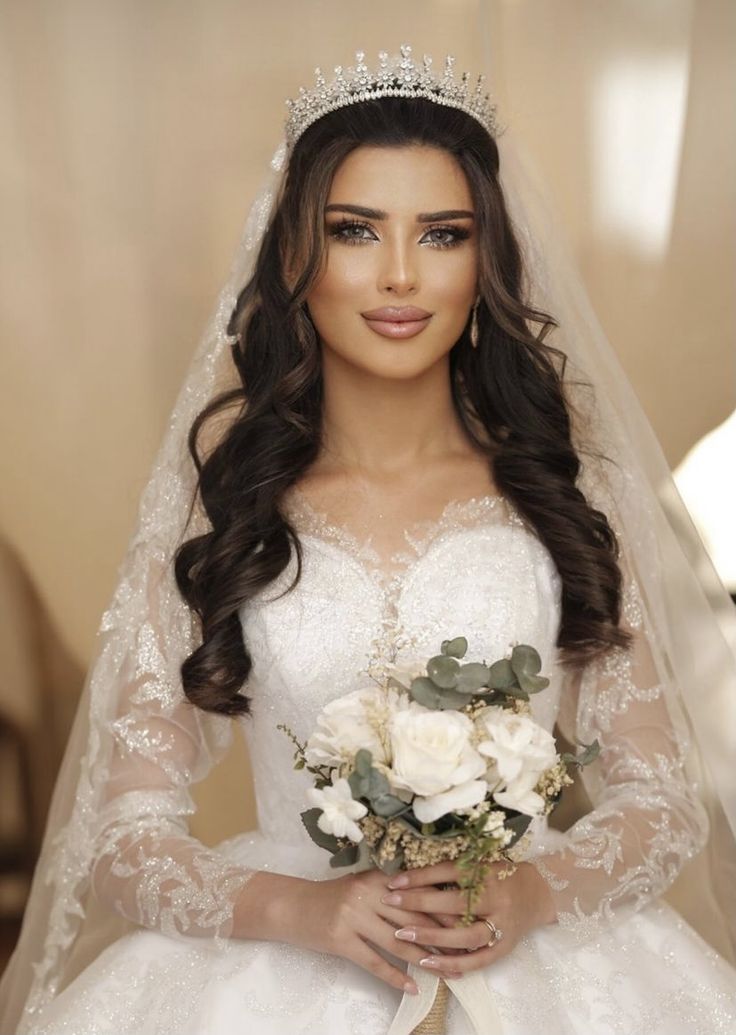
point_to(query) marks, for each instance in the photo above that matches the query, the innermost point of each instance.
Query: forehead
(413, 178)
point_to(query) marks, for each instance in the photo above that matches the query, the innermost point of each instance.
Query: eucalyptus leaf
(452, 699)
(309, 819)
(363, 761)
(532, 684)
(443, 671)
(472, 677)
(455, 648)
(359, 785)
(387, 805)
(377, 784)
(345, 856)
(425, 692)
(525, 659)
(501, 674)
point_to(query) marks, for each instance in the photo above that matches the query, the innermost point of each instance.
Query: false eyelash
(459, 233)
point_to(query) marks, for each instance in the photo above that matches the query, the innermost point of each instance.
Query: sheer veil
(147, 630)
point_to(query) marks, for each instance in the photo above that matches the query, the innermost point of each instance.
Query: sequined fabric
(618, 961)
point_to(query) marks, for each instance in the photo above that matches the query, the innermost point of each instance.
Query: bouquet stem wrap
(426, 1012)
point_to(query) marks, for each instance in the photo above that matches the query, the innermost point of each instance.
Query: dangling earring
(474, 325)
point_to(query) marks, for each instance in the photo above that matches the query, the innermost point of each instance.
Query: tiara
(397, 76)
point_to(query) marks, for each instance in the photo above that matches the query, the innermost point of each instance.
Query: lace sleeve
(647, 820)
(146, 866)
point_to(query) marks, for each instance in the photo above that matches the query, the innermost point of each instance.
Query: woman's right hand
(345, 917)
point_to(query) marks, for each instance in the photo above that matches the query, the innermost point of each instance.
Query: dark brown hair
(508, 392)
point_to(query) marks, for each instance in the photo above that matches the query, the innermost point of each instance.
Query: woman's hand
(515, 905)
(346, 917)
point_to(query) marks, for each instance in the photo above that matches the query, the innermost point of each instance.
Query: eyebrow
(422, 217)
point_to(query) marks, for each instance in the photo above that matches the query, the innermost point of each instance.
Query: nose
(398, 270)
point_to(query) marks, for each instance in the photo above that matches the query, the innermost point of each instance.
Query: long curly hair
(509, 394)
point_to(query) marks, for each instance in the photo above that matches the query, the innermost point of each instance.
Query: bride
(391, 450)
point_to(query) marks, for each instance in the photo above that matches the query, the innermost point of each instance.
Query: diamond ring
(495, 931)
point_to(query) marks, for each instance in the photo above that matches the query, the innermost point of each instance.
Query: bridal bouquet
(440, 762)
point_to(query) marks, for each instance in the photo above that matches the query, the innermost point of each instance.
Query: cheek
(454, 281)
(342, 277)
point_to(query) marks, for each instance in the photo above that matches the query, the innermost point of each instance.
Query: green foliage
(371, 786)
(518, 824)
(427, 693)
(455, 648)
(346, 855)
(589, 754)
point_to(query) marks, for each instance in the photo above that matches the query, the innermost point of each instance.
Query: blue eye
(342, 231)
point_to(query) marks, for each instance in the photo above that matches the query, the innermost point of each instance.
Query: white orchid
(339, 809)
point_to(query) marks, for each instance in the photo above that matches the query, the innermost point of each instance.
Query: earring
(474, 325)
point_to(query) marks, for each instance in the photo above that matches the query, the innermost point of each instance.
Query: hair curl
(508, 393)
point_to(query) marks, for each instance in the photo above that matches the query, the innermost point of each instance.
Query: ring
(495, 931)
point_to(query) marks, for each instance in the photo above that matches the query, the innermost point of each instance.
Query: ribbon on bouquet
(471, 989)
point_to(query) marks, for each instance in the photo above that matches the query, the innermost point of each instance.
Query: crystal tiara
(397, 76)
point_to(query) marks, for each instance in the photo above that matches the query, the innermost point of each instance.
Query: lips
(397, 314)
(393, 321)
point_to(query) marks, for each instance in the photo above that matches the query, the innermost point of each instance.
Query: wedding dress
(129, 921)
(478, 570)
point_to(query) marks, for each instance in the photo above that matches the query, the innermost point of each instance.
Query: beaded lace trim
(389, 574)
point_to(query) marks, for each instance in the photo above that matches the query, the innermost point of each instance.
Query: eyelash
(336, 230)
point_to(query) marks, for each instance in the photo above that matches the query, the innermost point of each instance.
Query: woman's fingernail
(429, 962)
(407, 934)
(392, 900)
(410, 987)
(400, 881)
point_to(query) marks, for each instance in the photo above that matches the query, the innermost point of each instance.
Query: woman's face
(413, 243)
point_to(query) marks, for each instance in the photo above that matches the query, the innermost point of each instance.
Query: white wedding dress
(620, 959)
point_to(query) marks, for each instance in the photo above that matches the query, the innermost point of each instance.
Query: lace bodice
(476, 571)
(479, 571)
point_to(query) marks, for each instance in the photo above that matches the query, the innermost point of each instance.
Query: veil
(147, 630)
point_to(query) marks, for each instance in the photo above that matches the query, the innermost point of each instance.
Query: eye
(342, 231)
(457, 234)
(351, 231)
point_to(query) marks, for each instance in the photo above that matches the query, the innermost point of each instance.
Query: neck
(383, 427)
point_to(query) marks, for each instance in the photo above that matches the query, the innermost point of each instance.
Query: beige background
(134, 133)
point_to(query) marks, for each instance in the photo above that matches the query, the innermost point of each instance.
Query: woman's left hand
(515, 905)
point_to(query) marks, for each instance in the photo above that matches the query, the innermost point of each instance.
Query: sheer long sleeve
(647, 820)
(146, 864)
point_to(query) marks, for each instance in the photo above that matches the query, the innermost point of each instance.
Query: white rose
(427, 810)
(339, 809)
(432, 754)
(349, 723)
